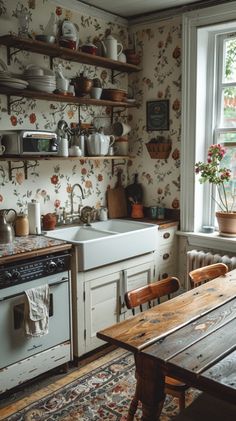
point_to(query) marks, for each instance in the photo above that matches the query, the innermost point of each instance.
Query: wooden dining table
(191, 337)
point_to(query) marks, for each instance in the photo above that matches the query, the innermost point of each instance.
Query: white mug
(2, 149)
(96, 92)
(121, 129)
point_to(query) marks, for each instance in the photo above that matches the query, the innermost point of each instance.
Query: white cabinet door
(102, 307)
(136, 277)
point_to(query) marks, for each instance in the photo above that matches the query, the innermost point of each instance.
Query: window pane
(229, 73)
(229, 107)
(229, 161)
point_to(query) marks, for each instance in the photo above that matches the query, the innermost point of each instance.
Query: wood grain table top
(145, 329)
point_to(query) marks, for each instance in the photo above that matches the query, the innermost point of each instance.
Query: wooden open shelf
(54, 50)
(27, 93)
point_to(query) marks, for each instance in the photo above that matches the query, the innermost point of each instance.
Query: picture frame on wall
(158, 115)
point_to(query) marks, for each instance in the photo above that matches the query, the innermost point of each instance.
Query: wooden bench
(208, 408)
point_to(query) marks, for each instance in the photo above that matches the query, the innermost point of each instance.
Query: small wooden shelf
(26, 93)
(57, 157)
(54, 50)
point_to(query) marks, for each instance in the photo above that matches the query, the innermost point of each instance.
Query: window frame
(193, 148)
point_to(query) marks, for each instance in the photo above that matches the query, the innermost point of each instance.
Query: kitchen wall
(50, 182)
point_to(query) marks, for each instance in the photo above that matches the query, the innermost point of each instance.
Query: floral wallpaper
(159, 46)
(50, 182)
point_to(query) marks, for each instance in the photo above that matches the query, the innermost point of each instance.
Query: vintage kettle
(111, 46)
(98, 144)
(7, 233)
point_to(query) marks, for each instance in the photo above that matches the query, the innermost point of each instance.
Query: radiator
(197, 259)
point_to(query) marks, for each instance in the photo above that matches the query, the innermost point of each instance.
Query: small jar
(137, 211)
(22, 225)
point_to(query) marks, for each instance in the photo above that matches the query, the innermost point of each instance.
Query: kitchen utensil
(103, 213)
(22, 225)
(98, 144)
(34, 217)
(116, 201)
(114, 94)
(7, 233)
(112, 48)
(134, 191)
(89, 48)
(45, 38)
(96, 92)
(137, 211)
(82, 85)
(120, 128)
(121, 146)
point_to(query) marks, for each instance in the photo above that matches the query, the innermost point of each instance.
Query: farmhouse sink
(106, 242)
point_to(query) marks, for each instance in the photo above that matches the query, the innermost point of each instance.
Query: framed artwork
(158, 115)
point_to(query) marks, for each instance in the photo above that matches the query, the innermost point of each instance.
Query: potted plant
(213, 172)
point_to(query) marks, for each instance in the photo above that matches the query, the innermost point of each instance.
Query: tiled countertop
(29, 244)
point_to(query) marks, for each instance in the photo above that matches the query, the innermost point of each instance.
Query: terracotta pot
(227, 223)
(49, 221)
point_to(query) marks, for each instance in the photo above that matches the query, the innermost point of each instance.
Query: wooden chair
(151, 294)
(207, 273)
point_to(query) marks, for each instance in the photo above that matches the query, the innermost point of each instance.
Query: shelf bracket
(26, 165)
(10, 54)
(115, 164)
(9, 103)
(114, 75)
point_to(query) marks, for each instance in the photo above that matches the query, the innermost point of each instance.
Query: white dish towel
(37, 311)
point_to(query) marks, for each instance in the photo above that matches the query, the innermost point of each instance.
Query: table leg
(150, 387)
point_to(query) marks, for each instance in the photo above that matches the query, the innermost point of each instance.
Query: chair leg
(133, 405)
(182, 402)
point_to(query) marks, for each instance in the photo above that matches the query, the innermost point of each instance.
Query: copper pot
(82, 85)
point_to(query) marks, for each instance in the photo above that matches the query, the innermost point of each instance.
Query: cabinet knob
(165, 256)
(166, 235)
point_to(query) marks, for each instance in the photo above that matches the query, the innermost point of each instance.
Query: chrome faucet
(71, 197)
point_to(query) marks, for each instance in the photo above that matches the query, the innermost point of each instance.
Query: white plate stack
(40, 79)
(7, 80)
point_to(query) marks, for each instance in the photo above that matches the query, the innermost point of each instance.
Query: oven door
(15, 345)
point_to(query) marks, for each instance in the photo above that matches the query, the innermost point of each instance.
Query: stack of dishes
(40, 79)
(7, 80)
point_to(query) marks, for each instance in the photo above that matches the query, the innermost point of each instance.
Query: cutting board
(135, 192)
(116, 200)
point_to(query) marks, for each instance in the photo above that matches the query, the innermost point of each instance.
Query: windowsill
(213, 241)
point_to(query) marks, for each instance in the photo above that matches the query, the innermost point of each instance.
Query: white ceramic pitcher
(112, 48)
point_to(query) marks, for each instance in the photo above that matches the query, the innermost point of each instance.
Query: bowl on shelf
(132, 57)
(45, 38)
(118, 95)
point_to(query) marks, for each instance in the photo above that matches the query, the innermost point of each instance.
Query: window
(208, 108)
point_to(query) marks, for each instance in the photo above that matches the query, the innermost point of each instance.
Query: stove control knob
(51, 266)
(60, 264)
(7, 276)
(15, 275)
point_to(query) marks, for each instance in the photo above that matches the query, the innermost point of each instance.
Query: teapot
(7, 233)
(99, 143)
(110, 46)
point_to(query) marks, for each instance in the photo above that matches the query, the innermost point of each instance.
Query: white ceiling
(130, 8)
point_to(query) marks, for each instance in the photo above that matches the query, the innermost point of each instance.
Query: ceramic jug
(112, 48)
(7, 233)
(98, 144)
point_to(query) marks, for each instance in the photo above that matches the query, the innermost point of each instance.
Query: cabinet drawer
(166, 236)
(165, 255)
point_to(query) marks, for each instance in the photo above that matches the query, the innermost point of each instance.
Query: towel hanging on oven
(36, 316)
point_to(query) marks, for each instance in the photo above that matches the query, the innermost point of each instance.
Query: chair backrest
(207, 273)
(149, 293)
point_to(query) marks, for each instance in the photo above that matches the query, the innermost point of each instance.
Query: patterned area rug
(104, 393)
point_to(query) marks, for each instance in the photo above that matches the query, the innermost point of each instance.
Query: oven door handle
(62, 281)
